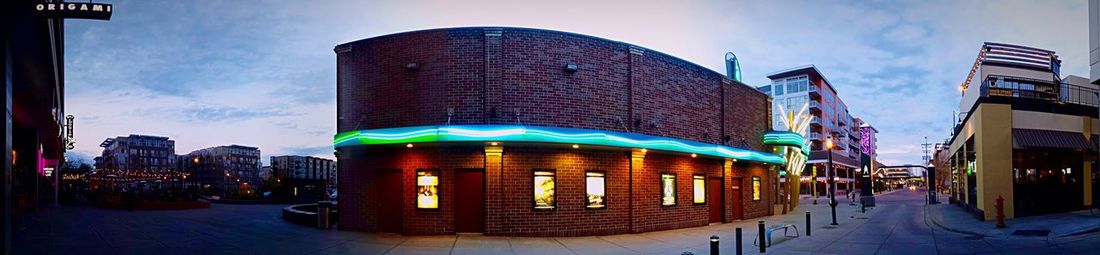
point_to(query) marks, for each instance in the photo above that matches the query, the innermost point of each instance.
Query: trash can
(324, 214)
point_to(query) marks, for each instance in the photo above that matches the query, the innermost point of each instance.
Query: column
(1087, 180)
(727, 181)
(637, 165)
(494, 188)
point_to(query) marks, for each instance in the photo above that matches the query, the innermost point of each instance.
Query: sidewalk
(956, 219)
(259, 229)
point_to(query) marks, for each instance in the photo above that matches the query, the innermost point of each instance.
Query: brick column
(494, 189)
(637, 164)
(727, 194)
(492, 86)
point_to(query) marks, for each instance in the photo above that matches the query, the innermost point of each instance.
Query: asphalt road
(901, 227)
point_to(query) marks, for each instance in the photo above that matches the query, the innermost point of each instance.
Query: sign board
(98, 11)
(865, 168)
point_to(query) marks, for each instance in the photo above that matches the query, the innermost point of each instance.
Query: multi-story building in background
(304, 176)
(794, 88)
(137, 153)
(232, 170)
(1024, 134)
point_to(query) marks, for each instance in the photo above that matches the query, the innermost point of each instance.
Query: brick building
(304, 177)
(527, 132)
(225, 171)
(137, 153)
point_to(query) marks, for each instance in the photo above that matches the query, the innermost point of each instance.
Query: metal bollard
(807, 223)
(714, 245)
(760, 234)
(738, 237)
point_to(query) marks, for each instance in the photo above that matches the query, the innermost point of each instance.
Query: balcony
(815, 136)
(815, 121)
(815, 92)
(1032, 89)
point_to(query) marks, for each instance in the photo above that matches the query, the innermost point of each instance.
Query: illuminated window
(755, 188)
(544, 189)
(700, 188)
(427, 189)
(668, 190)
(595, 188)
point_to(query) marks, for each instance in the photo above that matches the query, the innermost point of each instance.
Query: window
(668, 190)
(427, 189)
(595, 188)
(755, 188)
(778, 87)
(544, 189)
(700, 188)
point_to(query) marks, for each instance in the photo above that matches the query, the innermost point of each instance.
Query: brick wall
(517, 217)
(515, 75)
(649, 214)
(631, 206)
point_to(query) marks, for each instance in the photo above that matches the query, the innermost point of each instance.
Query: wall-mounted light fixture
(412, 66)
(571, 68)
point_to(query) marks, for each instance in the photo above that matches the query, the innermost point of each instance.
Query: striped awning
(1037, 138)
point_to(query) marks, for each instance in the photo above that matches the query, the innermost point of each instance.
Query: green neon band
(513, 133)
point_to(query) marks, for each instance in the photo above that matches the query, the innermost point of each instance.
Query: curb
(928, 211)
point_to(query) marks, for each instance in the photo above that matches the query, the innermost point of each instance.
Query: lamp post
(831, 174)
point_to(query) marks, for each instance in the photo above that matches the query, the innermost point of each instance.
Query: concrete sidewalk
(955, 219)
(258, 229)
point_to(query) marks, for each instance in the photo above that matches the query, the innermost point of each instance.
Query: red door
(389, 192)
(735, 199)
(714, 198)
(470, 200)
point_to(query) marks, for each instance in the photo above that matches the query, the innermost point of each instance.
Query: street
(901, 227)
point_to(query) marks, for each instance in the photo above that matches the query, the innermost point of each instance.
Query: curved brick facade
(519, 76)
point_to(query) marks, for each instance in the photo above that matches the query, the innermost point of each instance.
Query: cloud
(213, 73)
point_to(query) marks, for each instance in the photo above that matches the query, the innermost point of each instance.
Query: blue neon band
(514, 133)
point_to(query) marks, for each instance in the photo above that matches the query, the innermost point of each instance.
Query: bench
(768, 232)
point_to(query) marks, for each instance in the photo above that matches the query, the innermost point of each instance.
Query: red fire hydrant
(1000, 212)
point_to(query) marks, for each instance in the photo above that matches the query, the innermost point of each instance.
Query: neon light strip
(783, 138)
(513, 133)
(786, 138)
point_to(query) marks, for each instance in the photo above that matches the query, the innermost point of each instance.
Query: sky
(262, 73)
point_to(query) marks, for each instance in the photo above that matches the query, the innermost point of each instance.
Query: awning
(1050, 139)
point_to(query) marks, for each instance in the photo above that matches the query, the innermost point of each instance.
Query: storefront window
(544, 189)
(594, 187)
(668, 190)
(755, 188)
(700, 189)
(427, 189)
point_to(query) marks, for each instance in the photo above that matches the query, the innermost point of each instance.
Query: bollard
(760, 234)
(807, 223)
(738, 237)
(714, 245)
(1000, 212)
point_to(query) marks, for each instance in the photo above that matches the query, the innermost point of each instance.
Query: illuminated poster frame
(668, 190)
(595, 186)
(427, 189)
(756, 196)
(699, 186)
(543, 192)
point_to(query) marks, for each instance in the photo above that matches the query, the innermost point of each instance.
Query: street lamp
(831, 174)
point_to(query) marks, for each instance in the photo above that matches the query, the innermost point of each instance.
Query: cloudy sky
(262, 73)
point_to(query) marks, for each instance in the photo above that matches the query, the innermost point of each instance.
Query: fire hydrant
(1000, 212)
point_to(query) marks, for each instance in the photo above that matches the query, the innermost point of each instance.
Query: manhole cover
(1031, 232)
(973, 238)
